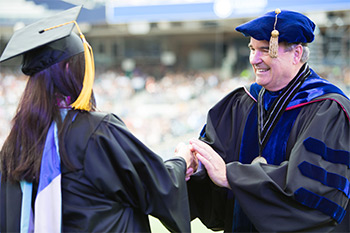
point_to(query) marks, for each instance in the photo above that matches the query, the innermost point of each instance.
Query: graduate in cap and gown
(68, 168)
(277, 153)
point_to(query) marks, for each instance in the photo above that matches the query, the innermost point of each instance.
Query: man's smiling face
(271, 73)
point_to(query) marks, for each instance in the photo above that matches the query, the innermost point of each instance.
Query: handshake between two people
(197, 152)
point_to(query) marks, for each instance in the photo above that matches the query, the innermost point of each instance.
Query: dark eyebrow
(260, 48)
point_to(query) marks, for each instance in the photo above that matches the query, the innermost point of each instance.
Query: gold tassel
(83, 100)
(273, 45)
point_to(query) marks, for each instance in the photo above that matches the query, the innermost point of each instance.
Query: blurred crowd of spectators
(161, 113)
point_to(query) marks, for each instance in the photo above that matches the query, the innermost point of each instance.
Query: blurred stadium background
(161, 64)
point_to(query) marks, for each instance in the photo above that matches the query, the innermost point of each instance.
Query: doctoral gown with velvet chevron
(116, 184)
(304, 186)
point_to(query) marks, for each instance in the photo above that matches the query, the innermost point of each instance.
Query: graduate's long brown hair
(20, 156)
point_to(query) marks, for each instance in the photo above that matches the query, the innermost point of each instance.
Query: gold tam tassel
(273, 45)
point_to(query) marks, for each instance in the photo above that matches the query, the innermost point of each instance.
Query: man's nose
(255, 58)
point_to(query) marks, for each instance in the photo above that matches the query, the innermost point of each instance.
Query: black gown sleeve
(10, 206)
(123, 168)
(211, 204)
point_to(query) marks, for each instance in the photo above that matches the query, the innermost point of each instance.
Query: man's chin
(260, 80)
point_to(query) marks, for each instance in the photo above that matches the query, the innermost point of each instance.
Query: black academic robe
(305, 186)
(116, 184)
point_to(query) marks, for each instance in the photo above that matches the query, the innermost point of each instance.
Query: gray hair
(306, 51)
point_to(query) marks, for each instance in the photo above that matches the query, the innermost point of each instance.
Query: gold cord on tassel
(83, 100)
(273, 46)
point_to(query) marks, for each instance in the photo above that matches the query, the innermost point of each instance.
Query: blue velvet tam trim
(326, 206)
(327, 178)
(335, 156)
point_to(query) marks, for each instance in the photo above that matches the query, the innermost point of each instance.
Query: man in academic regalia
(276, 154)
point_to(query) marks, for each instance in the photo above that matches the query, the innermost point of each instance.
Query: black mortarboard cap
(41, 48)
(50, 41)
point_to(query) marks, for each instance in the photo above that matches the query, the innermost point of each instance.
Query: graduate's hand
(186, 152)
(215, 165)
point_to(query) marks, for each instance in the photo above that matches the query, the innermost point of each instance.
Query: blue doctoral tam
(293, 27)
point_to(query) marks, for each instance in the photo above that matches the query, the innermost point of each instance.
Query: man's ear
(298, 53)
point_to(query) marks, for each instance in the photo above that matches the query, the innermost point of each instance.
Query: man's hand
(215, 165)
